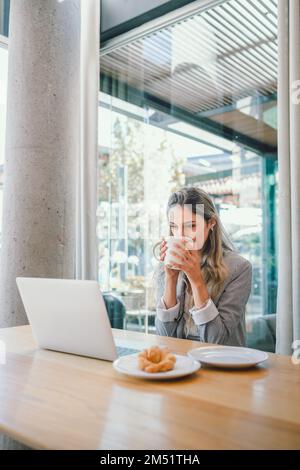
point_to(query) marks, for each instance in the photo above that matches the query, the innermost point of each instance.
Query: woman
(204, 299)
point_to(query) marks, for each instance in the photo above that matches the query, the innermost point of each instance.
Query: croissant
(155, 359)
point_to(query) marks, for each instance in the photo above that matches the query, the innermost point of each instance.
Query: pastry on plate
(156, 359)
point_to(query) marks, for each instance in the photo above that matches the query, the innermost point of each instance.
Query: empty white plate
(128, 365)
(229, 357)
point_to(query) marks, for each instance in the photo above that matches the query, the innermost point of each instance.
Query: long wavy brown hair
(213, 268)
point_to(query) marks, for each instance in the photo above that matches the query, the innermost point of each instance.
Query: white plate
(229, 357)
(128, 365)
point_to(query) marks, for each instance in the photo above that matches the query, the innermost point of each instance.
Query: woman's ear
(211, 224)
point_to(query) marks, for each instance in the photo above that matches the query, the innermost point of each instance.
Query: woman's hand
(171, 274)
(188, 262)
(169, 295)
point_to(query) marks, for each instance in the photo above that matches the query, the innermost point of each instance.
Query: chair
(115, 309)
(133, 304)
(261, 332)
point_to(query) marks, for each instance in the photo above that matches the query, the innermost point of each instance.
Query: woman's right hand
(170, 273)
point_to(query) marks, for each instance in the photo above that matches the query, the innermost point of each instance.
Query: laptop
(69, 316)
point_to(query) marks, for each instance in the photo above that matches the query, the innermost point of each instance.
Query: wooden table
(51, 400)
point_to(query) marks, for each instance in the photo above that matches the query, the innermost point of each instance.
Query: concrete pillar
(38, 231)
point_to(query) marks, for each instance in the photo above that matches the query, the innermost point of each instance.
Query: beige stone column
(38, 230)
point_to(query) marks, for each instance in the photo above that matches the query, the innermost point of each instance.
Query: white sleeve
(205, 314)
(167, 314)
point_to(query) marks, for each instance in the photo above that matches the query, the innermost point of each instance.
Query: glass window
(4, 17)
(194, 103)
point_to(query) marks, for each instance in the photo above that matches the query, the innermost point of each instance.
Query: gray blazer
(223, 321)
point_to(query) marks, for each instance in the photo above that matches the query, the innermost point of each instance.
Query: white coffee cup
(185, 242)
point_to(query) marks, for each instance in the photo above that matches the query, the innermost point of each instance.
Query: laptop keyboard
(122, 351)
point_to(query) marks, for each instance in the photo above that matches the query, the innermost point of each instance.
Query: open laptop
(69, 316)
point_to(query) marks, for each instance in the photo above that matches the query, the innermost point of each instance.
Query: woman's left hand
(188, 262)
